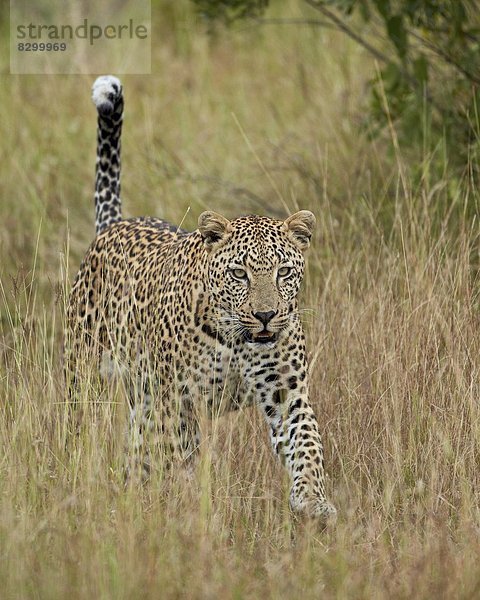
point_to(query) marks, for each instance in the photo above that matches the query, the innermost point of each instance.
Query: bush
(427, 83)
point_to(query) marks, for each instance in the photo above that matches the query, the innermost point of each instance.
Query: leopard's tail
(108, 98)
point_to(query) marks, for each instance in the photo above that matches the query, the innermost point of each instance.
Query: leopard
(196, 322)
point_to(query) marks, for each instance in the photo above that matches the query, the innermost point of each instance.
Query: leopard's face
(254, 274)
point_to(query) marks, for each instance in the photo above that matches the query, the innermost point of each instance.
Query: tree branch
(342, 26)
(312, 22)
(339, 24)
(446, 57)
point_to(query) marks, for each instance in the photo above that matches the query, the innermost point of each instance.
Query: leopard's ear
(300, 226)
(214, 229)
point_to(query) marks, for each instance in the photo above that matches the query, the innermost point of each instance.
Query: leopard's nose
(265, 317)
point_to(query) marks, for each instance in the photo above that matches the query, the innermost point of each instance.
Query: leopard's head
(254, 271)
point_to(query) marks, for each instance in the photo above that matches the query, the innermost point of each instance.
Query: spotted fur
(108, 98)
(206, 320)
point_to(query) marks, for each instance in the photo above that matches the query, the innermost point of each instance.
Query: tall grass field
(262, 119)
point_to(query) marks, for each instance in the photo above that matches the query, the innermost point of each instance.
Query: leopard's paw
(313, 507)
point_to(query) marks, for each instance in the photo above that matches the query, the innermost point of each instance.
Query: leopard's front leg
(295, 438)
(162, 420)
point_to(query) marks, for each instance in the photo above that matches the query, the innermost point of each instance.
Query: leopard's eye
(239, 274)
(284, 271)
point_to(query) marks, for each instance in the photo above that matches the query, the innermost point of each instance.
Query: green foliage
(428, 52)
(430, 76)
(229, 11)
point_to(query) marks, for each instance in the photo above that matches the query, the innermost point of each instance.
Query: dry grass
(245, 122)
